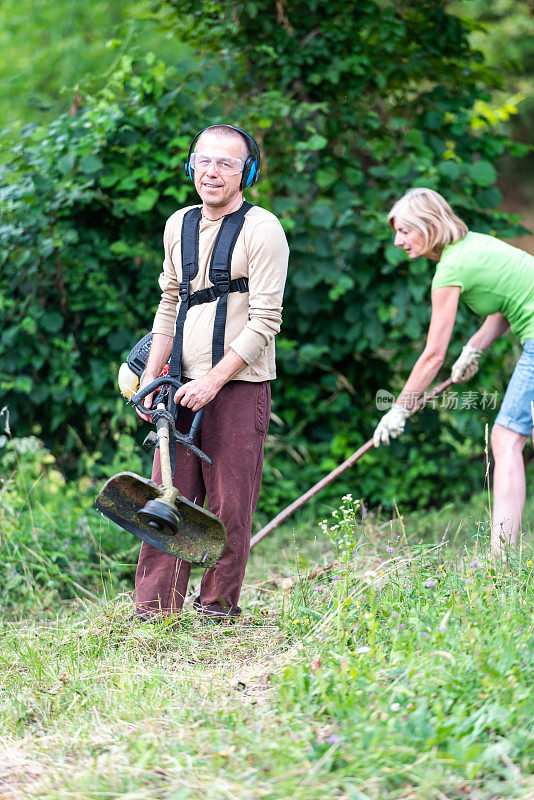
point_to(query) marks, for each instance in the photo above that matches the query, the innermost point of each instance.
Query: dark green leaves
(146, 200)
(90, 164)
(353, 102)
(51, 322)
(483, 173)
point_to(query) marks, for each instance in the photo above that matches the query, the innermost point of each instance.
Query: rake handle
(350, 461)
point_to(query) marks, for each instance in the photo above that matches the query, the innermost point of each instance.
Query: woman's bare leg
(509, 488)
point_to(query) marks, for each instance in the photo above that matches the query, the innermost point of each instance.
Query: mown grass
(377, 659)
(379, 666)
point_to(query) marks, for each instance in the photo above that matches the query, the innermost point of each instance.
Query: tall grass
(419, 666)
(377, 659)
(53, 544)
(385, 667)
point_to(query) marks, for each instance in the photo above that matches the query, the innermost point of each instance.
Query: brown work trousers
(232, 434)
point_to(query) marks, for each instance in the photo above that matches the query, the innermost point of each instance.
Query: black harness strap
(189, 270)
(220, 265)
(219, 274)
(190, 228)
(211, 293)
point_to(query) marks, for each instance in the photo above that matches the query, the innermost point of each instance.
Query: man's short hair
(229, 132)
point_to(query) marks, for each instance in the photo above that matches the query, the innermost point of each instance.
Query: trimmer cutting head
(160, 516)
(163, 518)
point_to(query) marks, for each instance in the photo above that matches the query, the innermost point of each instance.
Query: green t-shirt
(493, 276)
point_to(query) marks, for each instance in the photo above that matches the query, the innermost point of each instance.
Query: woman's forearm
(444, 305)
(493, 326)
(423, 373)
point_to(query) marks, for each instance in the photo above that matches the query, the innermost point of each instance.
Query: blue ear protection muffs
(251, 169)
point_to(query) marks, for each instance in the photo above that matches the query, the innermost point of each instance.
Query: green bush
(53, 544)
(352, 103)
(85, 201)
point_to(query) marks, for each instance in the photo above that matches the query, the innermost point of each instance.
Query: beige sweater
(254, 318)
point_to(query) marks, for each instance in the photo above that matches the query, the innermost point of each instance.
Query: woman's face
(409, 239)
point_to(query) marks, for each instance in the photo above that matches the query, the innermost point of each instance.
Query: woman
(496, 280)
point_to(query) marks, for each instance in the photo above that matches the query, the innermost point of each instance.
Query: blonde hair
(430, 214)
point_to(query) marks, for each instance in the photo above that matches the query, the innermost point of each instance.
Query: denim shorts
(516, 410)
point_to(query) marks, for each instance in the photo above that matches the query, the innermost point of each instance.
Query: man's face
(216, 189)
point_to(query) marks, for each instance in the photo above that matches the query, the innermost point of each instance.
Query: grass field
(375, 659)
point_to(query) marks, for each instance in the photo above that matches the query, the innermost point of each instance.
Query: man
(227, 362)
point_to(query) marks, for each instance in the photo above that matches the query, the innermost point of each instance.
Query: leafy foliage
(84, 198)
(52, 544)
(347, 122)
(503, 30)
(50, 51)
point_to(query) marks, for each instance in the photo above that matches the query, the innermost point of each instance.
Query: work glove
(466, 365)
(391, 425)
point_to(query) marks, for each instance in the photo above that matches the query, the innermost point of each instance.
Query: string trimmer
(159, 514)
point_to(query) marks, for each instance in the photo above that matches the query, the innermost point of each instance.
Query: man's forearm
(493, 326)
(199, 392)
(160, 351)
(227, 368)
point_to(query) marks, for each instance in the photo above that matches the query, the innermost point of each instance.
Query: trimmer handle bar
(164, 380)
(174, 383)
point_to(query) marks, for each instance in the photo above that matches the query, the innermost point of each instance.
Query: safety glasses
(225, 165)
